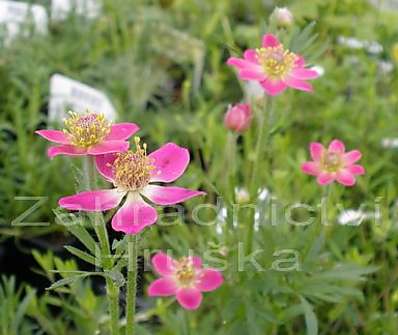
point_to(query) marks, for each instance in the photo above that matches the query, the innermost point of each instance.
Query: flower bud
(283, 16)
(238, 117)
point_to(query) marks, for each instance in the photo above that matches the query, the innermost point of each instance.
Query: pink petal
(300, 62)
(209, 280)
(189, 297)
(104, 165)
(336, 146)
(299, 84)
(163, 195)
(55, 136)
(240, 63)
(250, 55)
(352, 156)
(346, 178)
(273, 88)
(316, 151)
(356, 169)
(251, 74)
(134, 216)
(163, 264)
(108, 147)
(325, 178)
(92, 201)
(311, 168)
(162, 287)
(170, 161)
(67, 150)
(197, 261)
(304, 74)
(122, 131)
(270, 40)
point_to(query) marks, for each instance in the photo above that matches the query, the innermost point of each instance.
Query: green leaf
(310, 317)
(82, 255)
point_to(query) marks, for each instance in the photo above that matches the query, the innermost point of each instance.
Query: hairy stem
(131, 284)
(255, 172)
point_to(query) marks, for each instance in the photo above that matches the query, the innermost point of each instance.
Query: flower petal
(346, 178)
(104, 163)
(270, 40)
(92, 201)
(300, 62)
(189, 297)
(316, 151)
(304, 74)
(299, 84)
(67, 150)
(352, 156)
(170, 162)
(122, 131)
(356, 169)
(163, 264)
(311, 168)
(163, 195)
(108, 147)
(55, 136)
(252, 74)
(134, 216)
(162, 287)
(239, 63)
(337, 146)
(209, 280)
(250, 55)
(196, 261)
(325, 178)
(273, 88)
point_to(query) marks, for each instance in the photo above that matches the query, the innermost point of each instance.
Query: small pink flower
(89, 134)
(238, 117)
(185, 278)
(274, 67)
(333, 164)
(133, 174)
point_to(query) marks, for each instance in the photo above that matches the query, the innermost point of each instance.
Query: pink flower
(89, 134)
(333, 164)
(185, 278)
(238, 117)
(274, 67)
(133, 174)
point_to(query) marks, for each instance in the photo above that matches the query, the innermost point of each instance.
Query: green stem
(105, 250)
(255, 174)
(131, 284)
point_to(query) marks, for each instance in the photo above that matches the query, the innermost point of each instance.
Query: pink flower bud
(238, 117)
(283, 16)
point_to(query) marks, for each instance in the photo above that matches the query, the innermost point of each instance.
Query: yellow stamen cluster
(185, 271)
(331, 162)
(276, 61)
(132, 170)
(87, 129)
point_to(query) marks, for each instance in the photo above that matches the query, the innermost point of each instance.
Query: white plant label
(13, 15)
(60, 9)
(68, 94)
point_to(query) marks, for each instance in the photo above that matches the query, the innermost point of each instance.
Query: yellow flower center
(331, 162)
(132, 169)
(86, 130)
(185, 271)
(276, 61)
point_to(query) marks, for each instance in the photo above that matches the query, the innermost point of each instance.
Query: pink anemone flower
(333, 164)
(185, 278)
(89, 134)
(133, 174)
(274, 67)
